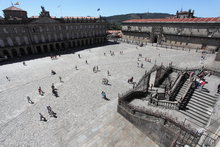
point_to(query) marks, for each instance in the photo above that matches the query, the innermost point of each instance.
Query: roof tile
(213, 19)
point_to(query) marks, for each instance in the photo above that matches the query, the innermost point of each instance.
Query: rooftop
(213, 19)
(13, 8)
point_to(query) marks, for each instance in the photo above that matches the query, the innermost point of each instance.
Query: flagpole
(61, 13)
(12, 3)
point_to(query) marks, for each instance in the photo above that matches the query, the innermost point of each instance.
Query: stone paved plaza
(84, 118)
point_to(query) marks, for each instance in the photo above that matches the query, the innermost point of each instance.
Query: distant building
(184, 31)
(20, 35)
(13, 13)
(114, 33)
(185, 14)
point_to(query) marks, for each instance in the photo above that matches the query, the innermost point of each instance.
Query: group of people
(141, 65)
(95, 69)
(50, 112)
(198, 78)
(112, 53)
(53, 57)
(148, 59)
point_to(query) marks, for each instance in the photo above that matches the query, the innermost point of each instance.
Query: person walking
(60, 78)
(8, 78)
(53, 72)
(97, 68)
(49, 109)
(108, 73)
(203, 84)
(24, 63)
(218, 89)
(42, 118)
(103, 95)
(40, 91)
(52, 86)
(29, 100)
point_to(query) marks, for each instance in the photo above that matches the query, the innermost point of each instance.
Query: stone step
(200, 108)
(201, 113)
(191, 115)
(206, 94)
(178, 98)
(184, 86)
(203, 99)
(194, 100)
(203, 117)
(180, 93)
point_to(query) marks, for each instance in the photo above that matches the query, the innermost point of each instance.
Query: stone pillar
(48, 47)
(42, 48)
(75, 42)
(25, 50)
(1, 54)
(217, 58)
(80, 42)
(10, 53)
(34, 49)
(18, 51)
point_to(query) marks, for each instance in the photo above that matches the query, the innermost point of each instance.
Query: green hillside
(119, 18)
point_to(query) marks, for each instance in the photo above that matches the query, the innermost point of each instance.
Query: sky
(58, 8)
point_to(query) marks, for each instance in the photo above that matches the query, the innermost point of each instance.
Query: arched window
(36, 39)
(5, 30)
(55, 37)
(2, 44)
(40, 28)
(18, 40)
(67, 35)
(49, 37)
(61, 36)
(26, 40)
(42, 38)
(10, 42)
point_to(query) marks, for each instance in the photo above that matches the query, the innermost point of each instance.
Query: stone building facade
(21, 36)
(197, 33)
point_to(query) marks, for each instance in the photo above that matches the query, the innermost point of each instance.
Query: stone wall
(161, 130)
(189, 35)
(31, 36)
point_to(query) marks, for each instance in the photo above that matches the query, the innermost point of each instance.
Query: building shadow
(49, 54)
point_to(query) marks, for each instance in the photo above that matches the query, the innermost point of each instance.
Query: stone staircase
(182, 90)
(200, 106)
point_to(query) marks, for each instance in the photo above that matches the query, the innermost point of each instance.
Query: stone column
(48, 47)
(18, 51)
(25, 50)
(217, 58)
(1, 54)
(10, 53)
(42, 48)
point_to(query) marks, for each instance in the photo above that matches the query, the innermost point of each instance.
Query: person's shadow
(105, 98)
